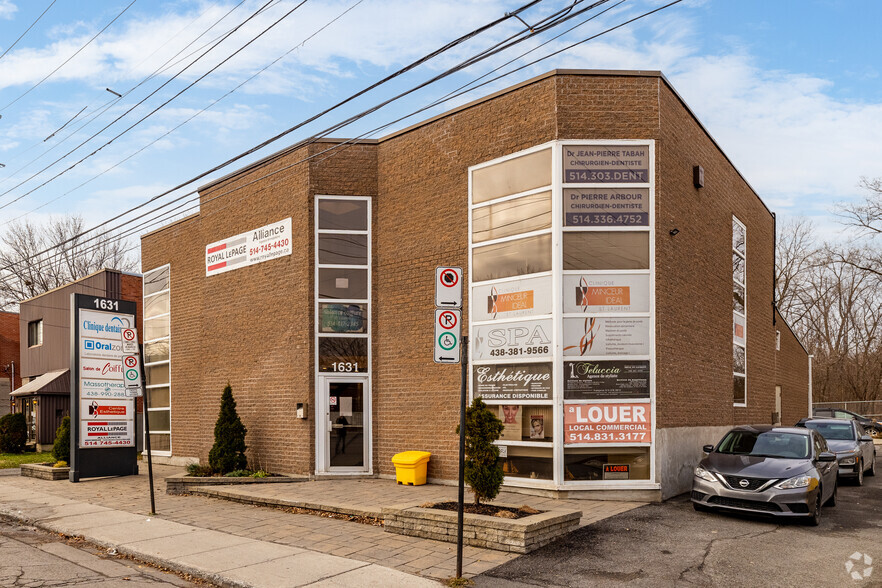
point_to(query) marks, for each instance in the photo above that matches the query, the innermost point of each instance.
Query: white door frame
(322, 425)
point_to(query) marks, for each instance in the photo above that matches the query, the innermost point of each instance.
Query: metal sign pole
(462, 433)
(147, 428)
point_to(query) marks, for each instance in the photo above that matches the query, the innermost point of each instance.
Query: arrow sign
(132, 375)
(448, 287)
(448, 327)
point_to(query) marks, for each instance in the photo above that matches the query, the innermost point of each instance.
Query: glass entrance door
(347, 434)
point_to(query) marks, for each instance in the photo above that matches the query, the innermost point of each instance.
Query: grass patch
(14, 460)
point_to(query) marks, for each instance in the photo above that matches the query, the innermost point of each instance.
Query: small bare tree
(28, 270)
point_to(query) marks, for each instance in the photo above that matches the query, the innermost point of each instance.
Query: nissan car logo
(744, 483)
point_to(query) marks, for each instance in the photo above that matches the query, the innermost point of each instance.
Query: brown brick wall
(253, 327)
(9, 347)
(694, 281)
(792, 375)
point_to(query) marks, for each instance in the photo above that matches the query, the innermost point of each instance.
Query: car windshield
(768, 444)
(833, 431)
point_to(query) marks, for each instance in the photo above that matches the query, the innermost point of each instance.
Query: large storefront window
(157, 356)
(562, 311)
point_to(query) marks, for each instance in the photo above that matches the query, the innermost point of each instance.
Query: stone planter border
(514, 535)
(44, 471)
(182, 483)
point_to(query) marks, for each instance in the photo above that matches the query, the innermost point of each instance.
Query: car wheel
(871, 471)
(815, 519)
(832, 500)
(859, 480)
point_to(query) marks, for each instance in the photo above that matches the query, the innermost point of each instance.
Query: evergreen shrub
(61, 449)
(13, 433)
(483, 473)
(228, 452)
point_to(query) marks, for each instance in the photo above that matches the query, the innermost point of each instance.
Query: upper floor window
(35, 333)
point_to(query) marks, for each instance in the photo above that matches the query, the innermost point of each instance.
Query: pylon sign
(448, 330)
(448, 287)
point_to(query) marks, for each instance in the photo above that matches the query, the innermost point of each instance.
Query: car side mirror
(866, 439)
(708, 448)
(827, 456)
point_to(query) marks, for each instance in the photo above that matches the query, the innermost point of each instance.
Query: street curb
(134, 553)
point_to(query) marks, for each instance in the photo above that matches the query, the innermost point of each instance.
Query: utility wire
(203, 110)
(66, 61)
(151, 113)
(314, 155)
(8, 49)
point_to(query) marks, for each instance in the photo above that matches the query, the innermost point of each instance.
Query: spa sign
(256, 246)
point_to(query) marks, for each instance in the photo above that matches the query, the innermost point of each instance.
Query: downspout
(810, 399)
(774, 269)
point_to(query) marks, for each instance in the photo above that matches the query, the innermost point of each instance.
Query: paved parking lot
(670, 544)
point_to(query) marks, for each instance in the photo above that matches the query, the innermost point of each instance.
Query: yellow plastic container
(410, 467)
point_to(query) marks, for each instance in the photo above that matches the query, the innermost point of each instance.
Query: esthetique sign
(525, 381)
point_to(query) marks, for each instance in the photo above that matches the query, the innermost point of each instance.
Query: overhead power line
(66, 61)
(312, 156)
(8, 49)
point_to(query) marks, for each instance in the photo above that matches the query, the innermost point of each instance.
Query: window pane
(738, 389)
(343, 283)
(343, 214)
(739, 328)
(606, 250)
(626, 463)
(160, 442)
(512, 176)
(737, 297)
(156, 328)
(156, 305)
(521, 215)
(738, 238)
(156, 280)
(160, 420)
(528, 462)
(156, 351)
(514, 258)
(342, 318)
(525, 422)
(343, 249)
(343, 354)
(158, 397)
(157, 374)
(739, 359)
(737, 267)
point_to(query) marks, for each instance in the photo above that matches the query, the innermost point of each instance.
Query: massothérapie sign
(525, 381)
(255, 246)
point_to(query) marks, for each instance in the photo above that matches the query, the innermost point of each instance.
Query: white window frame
(743, 315)
(156, 363)
(557, 272)
(322, 467)
(39, 329)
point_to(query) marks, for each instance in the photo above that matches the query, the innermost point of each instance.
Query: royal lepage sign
(256, 246)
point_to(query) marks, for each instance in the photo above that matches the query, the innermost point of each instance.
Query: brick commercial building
(10, 370)
(619, 294)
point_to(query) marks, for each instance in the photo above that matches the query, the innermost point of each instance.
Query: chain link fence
(867, 408)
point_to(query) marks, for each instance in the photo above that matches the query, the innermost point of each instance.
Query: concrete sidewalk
(222, 558)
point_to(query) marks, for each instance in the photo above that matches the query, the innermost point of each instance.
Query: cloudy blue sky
(789, 88)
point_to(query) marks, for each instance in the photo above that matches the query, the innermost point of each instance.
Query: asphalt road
(33, 558)
(669, 544)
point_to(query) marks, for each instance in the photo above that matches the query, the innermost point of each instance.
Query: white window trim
(168, 408)
(743, 314)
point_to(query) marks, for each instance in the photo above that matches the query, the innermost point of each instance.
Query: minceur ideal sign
(256, 246)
